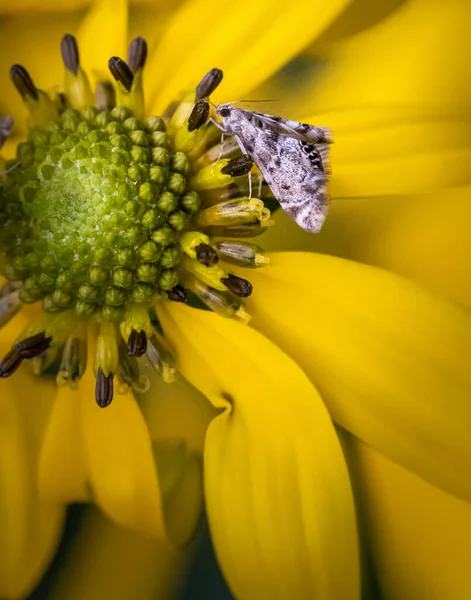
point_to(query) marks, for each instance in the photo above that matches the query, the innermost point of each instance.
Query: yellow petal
(62, 464)
(243, 37)
(278, 495)
(389, 358)
(176, 411)
(399, 63)
(109, 561)
(418, 536)
(30, 527)
(424, 237)
(124, 475)
(103, 34)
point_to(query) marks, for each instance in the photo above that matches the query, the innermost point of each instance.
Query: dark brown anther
(121, 71)
(206, 255)
(209, 83)
(177, 294)
(137, 343)
(238, 286)
(105, 95)
(137, 54)
(10, 363)
(199, 115)
(70, 53)
(238, 166)
(104, 389)
(23, 82)
(33, 346)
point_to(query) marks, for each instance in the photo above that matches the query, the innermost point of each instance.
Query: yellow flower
(276, 485)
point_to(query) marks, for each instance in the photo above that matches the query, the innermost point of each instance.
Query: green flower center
(94, 212)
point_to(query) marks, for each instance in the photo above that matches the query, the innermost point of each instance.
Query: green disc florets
(92, 214)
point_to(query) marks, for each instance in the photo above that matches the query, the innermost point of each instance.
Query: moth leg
(249, 174)
(218, 125)
(260, 183)
(222, 146)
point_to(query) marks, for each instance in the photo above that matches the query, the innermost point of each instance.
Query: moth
(292, 157)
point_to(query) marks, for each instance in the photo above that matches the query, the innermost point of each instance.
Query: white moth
(291, 156)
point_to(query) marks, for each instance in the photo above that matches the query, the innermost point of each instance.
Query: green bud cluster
(90, 219)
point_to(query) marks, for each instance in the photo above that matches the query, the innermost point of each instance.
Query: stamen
(105, 95)
(199, 115)
(137, 343)
(23, 82)
(206, 255)
(137, 54)
(242, 253)
(33, 346)
(160, 357)
(245, 230)
(10, 363)
(121, 72)
(104, 389)
(211, 177)
(234, 212)
(107, 353)
(209, 83)
(43, 360)
(221, 302)
(177, 294)
(212, 276)
(70, 53)
(237, 285)
(238, 166)
(6, 125)
(74, 359)
(129, 373)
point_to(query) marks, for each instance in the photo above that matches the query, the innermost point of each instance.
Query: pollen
(105, 211)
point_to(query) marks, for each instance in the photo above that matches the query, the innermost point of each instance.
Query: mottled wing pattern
(293, 168)
(6, 125)
(300, 131)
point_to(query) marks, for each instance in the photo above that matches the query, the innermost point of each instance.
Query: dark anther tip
(104, 389)
(206, 255)
(238, 286)
(10, 363)
(70, 53)
(199, 115)
(137, 54)
(209, 83)
(238, 166)
(137, 343)
(121, 71)
(33, 345)
(23, 82)
(177, 294)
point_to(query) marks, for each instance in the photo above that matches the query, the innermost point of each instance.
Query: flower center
(97, 207)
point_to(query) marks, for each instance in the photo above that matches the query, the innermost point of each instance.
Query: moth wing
(300, 131)
(6, 125)
(294, 175)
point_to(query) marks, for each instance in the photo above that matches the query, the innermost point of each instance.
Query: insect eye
(225, 112)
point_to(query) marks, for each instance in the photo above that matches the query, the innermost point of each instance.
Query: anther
(104, 389)
(10, 363)
(237, 285)
(199, 115)
(238, 166)
(206, 255)
(6, 125)
(137, 54)
(137, 343)
(23, 82)
(160, 358)
(209, 83)
(70, 53)
(105, 95)
(177, 294)
(121, 72)
(33, 346)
